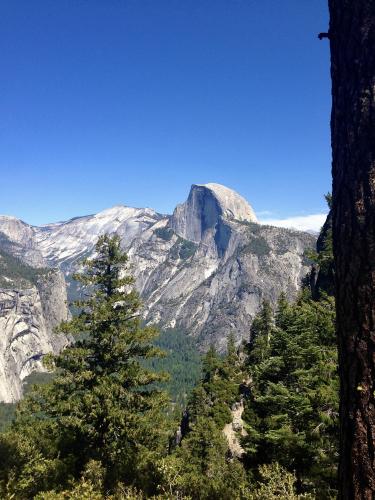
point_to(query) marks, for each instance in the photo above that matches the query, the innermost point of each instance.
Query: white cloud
(312, 222)
(265, 213)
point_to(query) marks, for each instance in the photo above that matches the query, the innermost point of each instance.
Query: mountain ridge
(209, 263)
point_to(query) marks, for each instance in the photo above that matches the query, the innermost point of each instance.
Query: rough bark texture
(352, 38)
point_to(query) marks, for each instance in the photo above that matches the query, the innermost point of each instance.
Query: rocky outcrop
(235, 430)
(52, 291)
(27, 320)
(21, 241)
(208, 294)
(207, 206)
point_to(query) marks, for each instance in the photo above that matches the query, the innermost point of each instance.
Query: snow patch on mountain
(78, 236)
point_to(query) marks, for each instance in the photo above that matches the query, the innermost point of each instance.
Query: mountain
(65, 243)
(32, 302)
(205, 269)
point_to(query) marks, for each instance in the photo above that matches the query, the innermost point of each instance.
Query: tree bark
(352, 39)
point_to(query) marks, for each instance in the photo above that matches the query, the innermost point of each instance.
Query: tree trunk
(352, 38)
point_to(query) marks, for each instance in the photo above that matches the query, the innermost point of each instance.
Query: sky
(106, 102)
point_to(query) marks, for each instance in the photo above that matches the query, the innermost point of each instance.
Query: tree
(219, 387)
(202, 466)
(291, 412)
(276, 484)
(261, 333)
(102, 405)
(352, 39)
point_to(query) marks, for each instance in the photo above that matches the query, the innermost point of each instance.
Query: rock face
(67, 242)
(210, 290)
(19, 237)
(205, 269)
(206, 208)
(27, 319)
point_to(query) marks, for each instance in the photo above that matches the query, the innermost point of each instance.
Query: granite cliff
(32, 302)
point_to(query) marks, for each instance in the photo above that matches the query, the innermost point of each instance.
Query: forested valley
(128, 414)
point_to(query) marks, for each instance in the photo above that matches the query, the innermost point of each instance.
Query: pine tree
(101, 404)
(202, 463)
(352, 40)
(207, 473)
(293, 407)
(261, 332)
(283, 310)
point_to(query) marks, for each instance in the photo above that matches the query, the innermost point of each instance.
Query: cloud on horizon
(312, 222)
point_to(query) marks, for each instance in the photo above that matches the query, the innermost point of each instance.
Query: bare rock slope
(32, 302)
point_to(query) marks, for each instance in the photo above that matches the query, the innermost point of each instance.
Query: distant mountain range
(205, 269)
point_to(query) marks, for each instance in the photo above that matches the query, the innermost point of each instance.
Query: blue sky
(131, 101)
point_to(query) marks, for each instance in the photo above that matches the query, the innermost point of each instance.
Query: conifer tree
(261, 332)
(293, 407)
(202, 463)
(101, 404)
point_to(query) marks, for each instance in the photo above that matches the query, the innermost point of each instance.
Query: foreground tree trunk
(352, 38)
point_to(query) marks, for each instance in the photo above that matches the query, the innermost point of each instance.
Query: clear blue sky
(131, 101)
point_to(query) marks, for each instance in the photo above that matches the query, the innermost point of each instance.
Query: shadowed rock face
(202, 217)
(199, 213)
(206, 206)
(27, 320)
(205, 269)
(32, 302)
(20, 239)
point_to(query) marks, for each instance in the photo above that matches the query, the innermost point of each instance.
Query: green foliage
(89, 487)
(24, 468)
(101, 404)
(181, 361)
(7, 414)
(323, 258)
(36, 378)
(165, 233)
(328, 198)
(321, 278)
(8, 410)
(261, 333)
(183, 249)
(257, 245)
(292, 414)
(200, 468)
(219, 387)
(15, 273)
(276, 483)
(186, 249)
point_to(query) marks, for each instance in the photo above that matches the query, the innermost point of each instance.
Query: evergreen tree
(219, 387)
(261, 333)
(101, 405)
(293, 408)
(205, 471)
(202, 466)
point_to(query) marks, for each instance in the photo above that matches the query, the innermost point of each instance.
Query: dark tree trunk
(352, 38)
